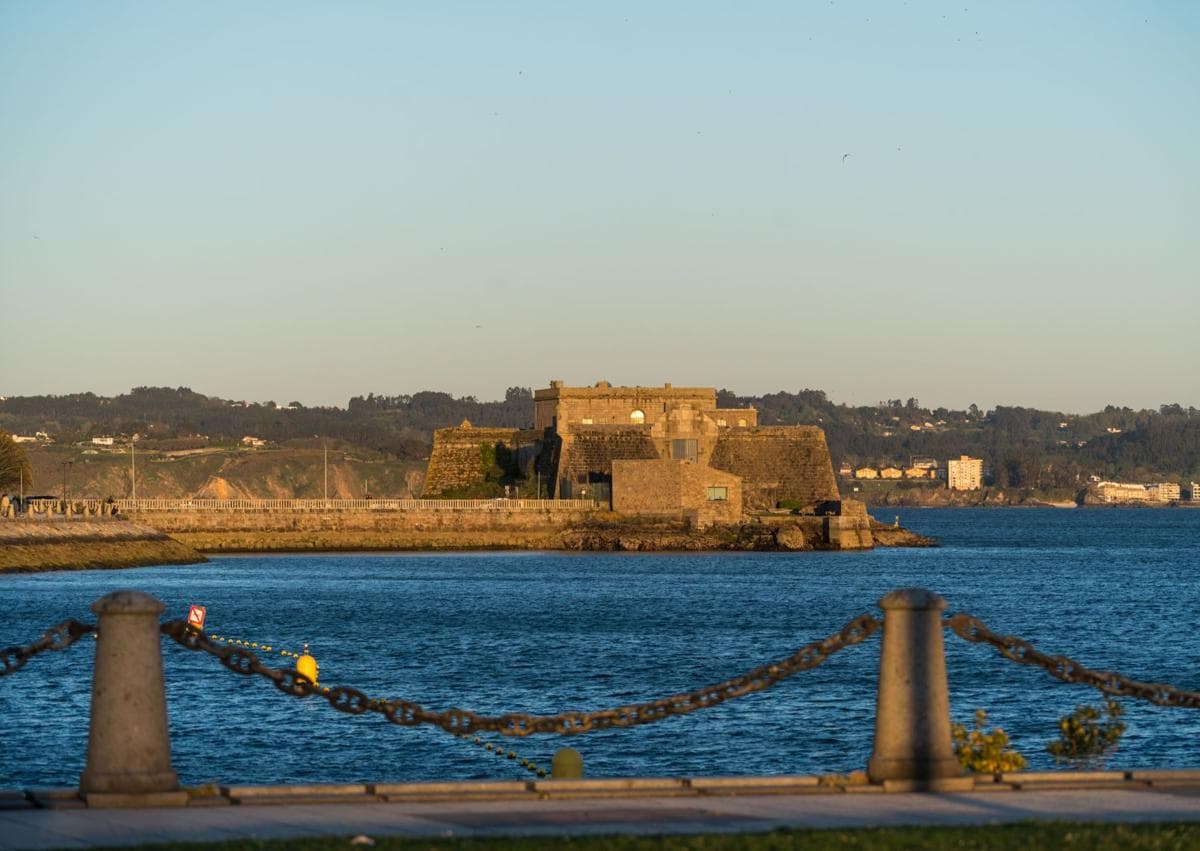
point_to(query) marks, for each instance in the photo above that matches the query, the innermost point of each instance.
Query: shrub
(984, 751)
(1085, 742)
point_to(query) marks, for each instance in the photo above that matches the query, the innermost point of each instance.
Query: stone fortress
(667, 452)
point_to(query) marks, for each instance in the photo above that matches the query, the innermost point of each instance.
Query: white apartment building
(965, 474)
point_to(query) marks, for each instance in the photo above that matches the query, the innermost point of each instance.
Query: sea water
(544, 632)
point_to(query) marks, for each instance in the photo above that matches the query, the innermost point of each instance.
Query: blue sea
(544, 632)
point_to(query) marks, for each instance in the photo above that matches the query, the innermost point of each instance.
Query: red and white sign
(196, 617)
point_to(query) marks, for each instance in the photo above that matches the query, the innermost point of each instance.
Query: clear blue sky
(316, 200)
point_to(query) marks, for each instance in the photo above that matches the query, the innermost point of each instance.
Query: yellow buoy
(307, 665)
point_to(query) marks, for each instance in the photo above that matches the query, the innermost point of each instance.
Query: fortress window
(586, 421)
(721, 422)
(718, 494)
(683, 450)
(742, 423)
(638, 417)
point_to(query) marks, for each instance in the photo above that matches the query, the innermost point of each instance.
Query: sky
(990, 203)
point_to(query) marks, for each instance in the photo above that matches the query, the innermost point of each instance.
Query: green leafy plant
(1084, 741)
(982, 750)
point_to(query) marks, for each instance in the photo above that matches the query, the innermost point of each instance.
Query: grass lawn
(1022, 837)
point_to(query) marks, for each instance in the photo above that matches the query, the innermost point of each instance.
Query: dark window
(683, 450)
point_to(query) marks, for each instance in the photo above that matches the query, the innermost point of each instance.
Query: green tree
(14, 464)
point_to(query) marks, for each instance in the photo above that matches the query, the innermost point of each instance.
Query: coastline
(28, 546)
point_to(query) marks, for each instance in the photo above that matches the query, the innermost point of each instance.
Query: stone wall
(40, 543)
(456, 461)
(560, 406)
(778, 463)
(702, 511)
(675, 489)
(587, 452)
(362, 521)
(642, 488)
(297, 531)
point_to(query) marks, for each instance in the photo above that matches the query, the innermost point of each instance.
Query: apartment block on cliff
(589, 441)
(964, 474)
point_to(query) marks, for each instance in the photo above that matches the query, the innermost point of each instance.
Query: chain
(58, 637)
(464, 722)
(1068, 670)
(241, 661)
(529, 765)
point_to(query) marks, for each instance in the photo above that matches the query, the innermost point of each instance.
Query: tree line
(1023, 447)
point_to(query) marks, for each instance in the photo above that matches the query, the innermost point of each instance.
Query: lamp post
(65, 465)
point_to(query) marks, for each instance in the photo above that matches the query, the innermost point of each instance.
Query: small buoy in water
(307, 665)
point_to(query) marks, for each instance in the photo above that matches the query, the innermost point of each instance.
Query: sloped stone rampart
(456, 461)
(778, 463)
(592, 449)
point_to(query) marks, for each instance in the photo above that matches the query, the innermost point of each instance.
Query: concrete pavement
(700, 805)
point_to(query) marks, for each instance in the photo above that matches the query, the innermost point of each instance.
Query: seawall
(34, 545)
(317, 530)
(497, 528)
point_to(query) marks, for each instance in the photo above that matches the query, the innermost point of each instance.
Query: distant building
(918, 473)
(923, 462)
(866, 473)
(654, 451)
(23, 438)
(1194, 494)
(964, 474)
(253, 442)
(846, 471)
(1163, 491)
(1122, 492)
(102, 441)
(891, 473)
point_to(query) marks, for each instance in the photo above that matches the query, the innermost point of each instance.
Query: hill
(190, 444)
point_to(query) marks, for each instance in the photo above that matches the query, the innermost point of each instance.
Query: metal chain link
(1068, 670)
(58, 637)
(461, 721)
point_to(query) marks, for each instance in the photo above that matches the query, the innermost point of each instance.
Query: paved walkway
(78, 828)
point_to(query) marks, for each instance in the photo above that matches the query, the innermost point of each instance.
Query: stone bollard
(129, 750)
(566, 765)
(913, 749)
